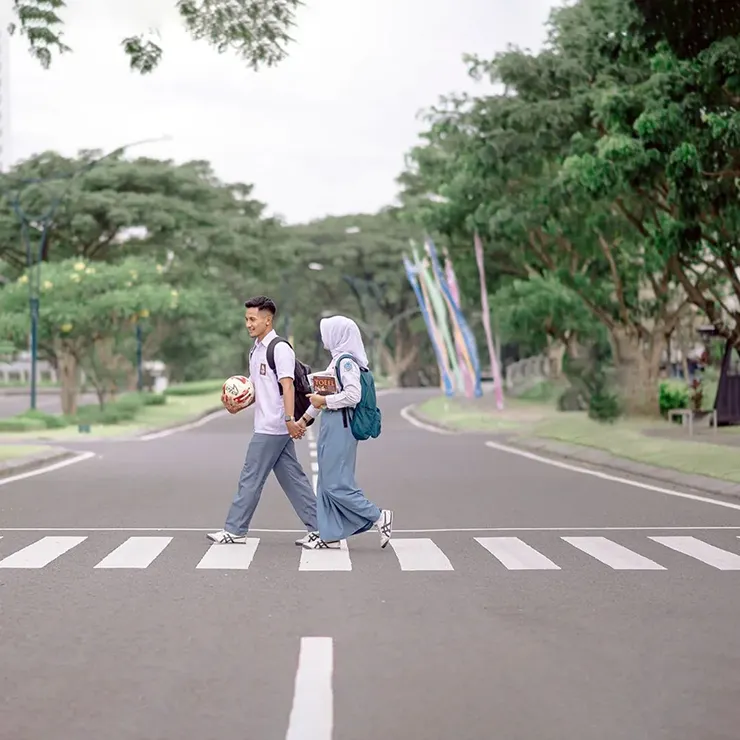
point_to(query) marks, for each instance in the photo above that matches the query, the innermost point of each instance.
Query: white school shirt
(350, 396)
(269, 410)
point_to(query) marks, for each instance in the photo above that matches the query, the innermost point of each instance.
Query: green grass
(13, 452)
(458, 414)
(196, 387)
(626, 439)
(177, 409)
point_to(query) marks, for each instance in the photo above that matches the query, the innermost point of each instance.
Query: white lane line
(706, 553)
(135, 552)
(607, 476)
(452, 530)
(515, 554)
(314, 483)
(612, 554)
(48, 468)
(420, 553)
(41, 552)
(325, 560)
(218, 414)
(229, 557)
(312, 713)
(314, 467)
(407, 416)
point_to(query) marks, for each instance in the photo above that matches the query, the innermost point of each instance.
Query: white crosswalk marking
(326, 559)
(41, 552)
(229, 557)
(612, 554)
(135, 552)
(420, 554)
(706, 553)
(515, 554)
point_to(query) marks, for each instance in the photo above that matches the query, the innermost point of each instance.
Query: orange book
(324, 385)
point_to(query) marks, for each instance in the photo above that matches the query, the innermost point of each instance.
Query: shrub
(21, 424)
(196, 388)
(672, 397)
(604, 406)
(571, 399)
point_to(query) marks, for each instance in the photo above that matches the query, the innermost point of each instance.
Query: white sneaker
(310, 537)
(318, 544)
(226, 538)
(384, 525)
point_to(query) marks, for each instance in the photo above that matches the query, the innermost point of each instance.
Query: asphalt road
(12, 404)
(520, 634)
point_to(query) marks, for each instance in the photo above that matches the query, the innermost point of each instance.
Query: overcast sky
(324, 133)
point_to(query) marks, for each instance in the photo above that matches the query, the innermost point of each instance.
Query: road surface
(12, 404)
(520, 600)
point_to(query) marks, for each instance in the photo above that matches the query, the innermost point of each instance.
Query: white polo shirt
(269, 410)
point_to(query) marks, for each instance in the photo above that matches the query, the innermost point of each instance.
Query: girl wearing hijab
(342, 508)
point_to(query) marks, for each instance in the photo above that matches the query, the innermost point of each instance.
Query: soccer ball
(239, 391)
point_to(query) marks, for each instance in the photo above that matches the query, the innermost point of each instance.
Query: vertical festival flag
(438, 309)
(456, 316)
(466, 369)
(495, 370)
(412, 276)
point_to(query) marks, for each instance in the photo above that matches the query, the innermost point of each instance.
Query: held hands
(296, 429)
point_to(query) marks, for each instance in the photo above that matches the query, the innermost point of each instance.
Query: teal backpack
(365, 418)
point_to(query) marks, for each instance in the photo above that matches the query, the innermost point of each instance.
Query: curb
(26, 464)
(180, 424)
(603, 459)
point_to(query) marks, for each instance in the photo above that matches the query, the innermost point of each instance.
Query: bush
(571, 399)
(21, 424)
(604, 406)
(672, 397)
(154, 399)
(196, 388)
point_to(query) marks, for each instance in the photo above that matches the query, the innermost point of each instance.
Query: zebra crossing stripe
(135, 552)
(229, 557)
(612, 554)
(514, 554)
(703, 551)
(420, 554)
(320, 560)
(41, 553)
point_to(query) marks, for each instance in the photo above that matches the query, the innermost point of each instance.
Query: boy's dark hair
(261, 303)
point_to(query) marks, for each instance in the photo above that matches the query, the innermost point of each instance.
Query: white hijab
(341, 336)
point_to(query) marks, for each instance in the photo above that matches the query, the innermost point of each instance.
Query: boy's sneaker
(226, 538)
(310, 537)
(384, 525)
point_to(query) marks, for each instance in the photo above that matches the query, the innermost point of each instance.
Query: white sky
(324, 133)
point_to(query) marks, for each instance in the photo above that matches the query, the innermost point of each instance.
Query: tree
(547, 315)
(505, 165)
(363, 277)
(256, 30)
(88, 315)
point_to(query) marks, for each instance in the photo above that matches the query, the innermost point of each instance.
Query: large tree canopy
(258, 31)
(606, 162)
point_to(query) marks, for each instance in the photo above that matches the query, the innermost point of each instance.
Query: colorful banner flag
(465, 369)
(412, 276)
(457, 317)
(498, 387)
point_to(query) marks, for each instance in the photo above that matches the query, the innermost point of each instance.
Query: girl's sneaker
(384, 525)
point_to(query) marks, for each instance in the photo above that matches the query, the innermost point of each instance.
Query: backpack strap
(271, 356)
(337, 369)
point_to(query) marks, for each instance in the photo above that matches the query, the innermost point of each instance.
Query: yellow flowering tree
(88, 315)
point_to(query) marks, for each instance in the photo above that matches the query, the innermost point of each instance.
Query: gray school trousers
(271, 452)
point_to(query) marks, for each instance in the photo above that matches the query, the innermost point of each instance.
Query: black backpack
(302, 386)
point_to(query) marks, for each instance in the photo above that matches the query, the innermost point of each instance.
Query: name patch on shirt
(263, 369)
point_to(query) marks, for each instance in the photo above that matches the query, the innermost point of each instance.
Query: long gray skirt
(342, 508)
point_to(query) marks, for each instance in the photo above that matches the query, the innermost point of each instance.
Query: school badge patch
(347, 365)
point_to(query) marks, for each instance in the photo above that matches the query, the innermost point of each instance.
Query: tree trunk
(555, 353)
(68, 378)
(637, 363)
(401, 360)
